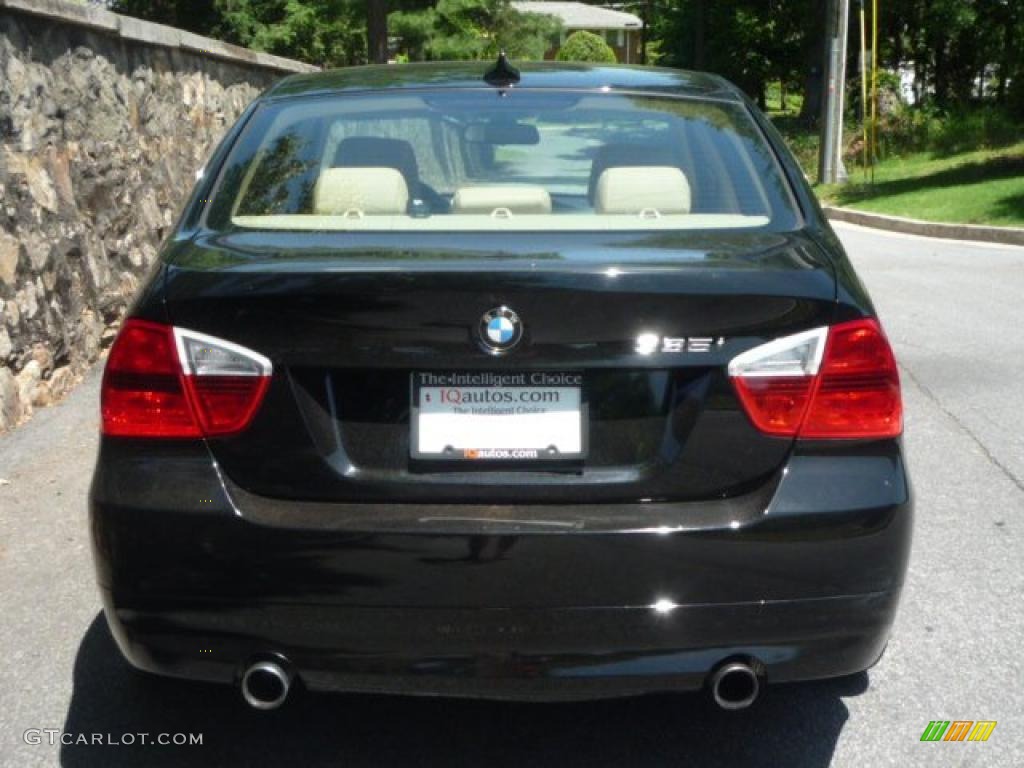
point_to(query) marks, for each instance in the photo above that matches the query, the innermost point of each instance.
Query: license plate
(490, 416)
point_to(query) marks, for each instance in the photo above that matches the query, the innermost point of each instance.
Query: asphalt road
(956, 314)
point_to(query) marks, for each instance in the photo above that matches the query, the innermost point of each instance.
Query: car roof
(552, 75)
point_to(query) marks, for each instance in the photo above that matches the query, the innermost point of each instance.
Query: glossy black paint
(559, 76)
(685, 538)
(339, 328)
(535, 601)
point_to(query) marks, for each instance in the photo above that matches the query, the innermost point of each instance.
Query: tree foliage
(329, 33)
(958, 51)
(586, 46)
(325, 32)
(472, 29)
(748, 41)
(194, 15)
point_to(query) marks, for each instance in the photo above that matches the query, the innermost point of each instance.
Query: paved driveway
(956, 314)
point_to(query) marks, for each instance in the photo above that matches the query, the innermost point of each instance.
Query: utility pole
(874, 87)
(864, 89)
(830, 157)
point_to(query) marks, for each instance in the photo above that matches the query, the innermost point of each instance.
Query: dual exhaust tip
(266, 685)
(734, 685)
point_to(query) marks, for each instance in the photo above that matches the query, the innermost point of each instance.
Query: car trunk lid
(349, 320)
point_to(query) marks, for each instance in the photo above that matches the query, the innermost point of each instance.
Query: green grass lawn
(979, 187)
(983, 186)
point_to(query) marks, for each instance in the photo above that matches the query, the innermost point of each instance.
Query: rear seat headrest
(660, 190)
(359, 191)
(510, 198)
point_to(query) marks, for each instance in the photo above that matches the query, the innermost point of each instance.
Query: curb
(1004, 235)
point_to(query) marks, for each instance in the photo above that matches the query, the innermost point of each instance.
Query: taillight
(828, 383)
(162, 381)
(858, 392)
(143, 394)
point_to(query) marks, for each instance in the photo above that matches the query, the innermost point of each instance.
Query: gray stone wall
(100, 139)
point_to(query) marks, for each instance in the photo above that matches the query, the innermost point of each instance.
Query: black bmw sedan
(464, 380)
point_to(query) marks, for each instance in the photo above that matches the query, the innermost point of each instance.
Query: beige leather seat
(494, 199)
(360, 192)
(642, 190)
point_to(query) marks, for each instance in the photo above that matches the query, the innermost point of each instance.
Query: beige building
(622, 31)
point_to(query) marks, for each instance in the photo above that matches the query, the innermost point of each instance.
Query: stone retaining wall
(104, 121)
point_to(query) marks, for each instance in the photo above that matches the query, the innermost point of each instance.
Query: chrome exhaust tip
(735, 685)
(265, 685)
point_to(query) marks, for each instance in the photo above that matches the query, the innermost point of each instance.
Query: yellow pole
(874, 86)
(864, 87)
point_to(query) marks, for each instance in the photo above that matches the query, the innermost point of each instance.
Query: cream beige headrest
(510, 198)
(358, 191)
(655, 189)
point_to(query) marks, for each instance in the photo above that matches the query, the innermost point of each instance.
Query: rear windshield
(484, 160)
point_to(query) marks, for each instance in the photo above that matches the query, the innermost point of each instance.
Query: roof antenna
(502, 74)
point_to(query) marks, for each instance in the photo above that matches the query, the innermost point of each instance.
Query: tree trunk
(699, 30)
(813, 80)
(939, 74)
(377, 31)
(1007, 59)
(895, 38)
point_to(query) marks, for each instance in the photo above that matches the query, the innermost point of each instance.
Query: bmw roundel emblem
(500, 330)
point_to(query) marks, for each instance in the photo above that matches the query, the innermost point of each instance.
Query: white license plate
(512, 416)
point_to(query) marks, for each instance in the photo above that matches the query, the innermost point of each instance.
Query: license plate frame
(543, 420)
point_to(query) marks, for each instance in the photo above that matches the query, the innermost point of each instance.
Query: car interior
(523, 170)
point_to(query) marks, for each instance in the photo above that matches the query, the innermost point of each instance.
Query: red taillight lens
(167, 382)
(858, 391)
(775, 404)
(834, 383)
(142, 393)
(225, 404)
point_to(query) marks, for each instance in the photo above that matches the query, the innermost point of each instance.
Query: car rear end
(509, 421)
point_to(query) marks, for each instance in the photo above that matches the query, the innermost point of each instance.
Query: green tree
(330, 33)
(959, 51)
(197, 16)
(747, 41)
(472, 29)
(586, 46)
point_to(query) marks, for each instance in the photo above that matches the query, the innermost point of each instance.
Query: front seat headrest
(372, 151)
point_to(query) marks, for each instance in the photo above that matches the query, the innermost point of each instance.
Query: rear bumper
(802, 575)
(552, 654)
